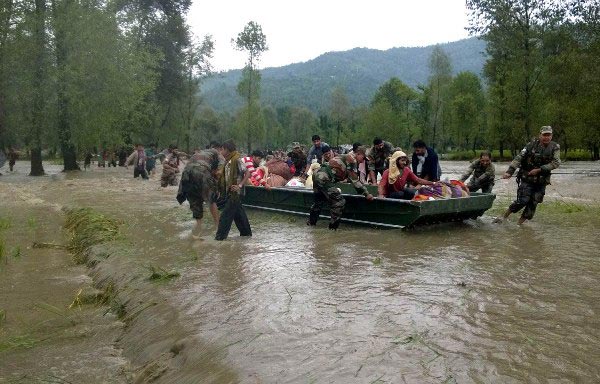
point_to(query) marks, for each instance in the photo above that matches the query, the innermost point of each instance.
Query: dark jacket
(431, 168)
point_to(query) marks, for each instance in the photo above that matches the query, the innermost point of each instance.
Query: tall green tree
(440, 77)
(466, 106)
(159, 27)
(339, 110)
(253, 41)
(395, 97)
(198, 66)
(38, 107)
(515, 31)
(6, 17)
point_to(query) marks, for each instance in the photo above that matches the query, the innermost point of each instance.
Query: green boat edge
(383, 213)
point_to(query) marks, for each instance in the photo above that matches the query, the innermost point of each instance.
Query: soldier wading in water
(333, 170)
(535, 162)
(198, 182)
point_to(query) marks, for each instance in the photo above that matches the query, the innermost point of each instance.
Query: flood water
(472, 302)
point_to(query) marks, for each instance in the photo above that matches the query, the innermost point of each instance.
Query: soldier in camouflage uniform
(170, 170)
(483, 174)
(377, 157)
(198, 181)
(535, 163)
(336, 169)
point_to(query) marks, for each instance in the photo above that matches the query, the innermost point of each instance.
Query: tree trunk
(596, 152)
(501, 149)
(69, 157)
(67, 147)
(4, 28)
(37, 169)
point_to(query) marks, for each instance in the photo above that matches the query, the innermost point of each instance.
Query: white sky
(298, 31)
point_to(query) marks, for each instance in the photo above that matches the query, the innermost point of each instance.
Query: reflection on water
(466, 302)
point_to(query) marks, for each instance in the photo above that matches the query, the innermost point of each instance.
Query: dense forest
(82, 75)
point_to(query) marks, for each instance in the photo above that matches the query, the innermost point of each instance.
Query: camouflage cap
(545, 129)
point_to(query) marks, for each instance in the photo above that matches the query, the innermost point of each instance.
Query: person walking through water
(198, 184)
(138, 159)
(13, 156)
(231, 186)
(535, 163)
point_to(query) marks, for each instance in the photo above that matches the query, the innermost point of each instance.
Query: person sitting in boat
(334, 170)
(425, 162)
(483, 174)
(395, 179)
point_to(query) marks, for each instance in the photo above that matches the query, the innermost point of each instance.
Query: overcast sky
(299, 31)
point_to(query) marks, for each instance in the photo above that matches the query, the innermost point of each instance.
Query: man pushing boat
(333, 170)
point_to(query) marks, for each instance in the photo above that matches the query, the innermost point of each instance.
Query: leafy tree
(274, 137)
(339, 111)
(514, 31)
(197, 68)
(401, 100)
(38, 109)
(253, 41)
(466, 105)
(439, 80)
(303, 123)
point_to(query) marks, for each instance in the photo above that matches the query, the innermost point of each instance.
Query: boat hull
(390, 213)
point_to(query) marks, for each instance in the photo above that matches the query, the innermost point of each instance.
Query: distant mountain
(360, 71)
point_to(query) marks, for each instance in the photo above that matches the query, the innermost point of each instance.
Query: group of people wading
(218, 176)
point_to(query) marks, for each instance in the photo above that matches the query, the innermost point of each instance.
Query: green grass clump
(161, 274)
(88, 228)
(15, 342)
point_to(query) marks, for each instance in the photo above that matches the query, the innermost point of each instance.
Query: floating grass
(88, 228)
(21, 341)
(161, 274)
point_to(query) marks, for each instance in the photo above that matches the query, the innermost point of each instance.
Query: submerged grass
(88, 228)
(161, 274)
(20, 341)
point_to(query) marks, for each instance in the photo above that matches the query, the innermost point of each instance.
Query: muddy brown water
(472, 302)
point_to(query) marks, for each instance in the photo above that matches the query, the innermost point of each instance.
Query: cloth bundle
(442, 190)
(280, 168)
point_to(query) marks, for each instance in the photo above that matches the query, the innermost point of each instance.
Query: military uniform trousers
(529, 195)
(326, 192)
(168, 178)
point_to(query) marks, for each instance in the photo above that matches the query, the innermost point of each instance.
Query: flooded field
(471, 302)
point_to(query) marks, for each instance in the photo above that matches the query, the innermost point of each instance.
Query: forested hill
(359, 71)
